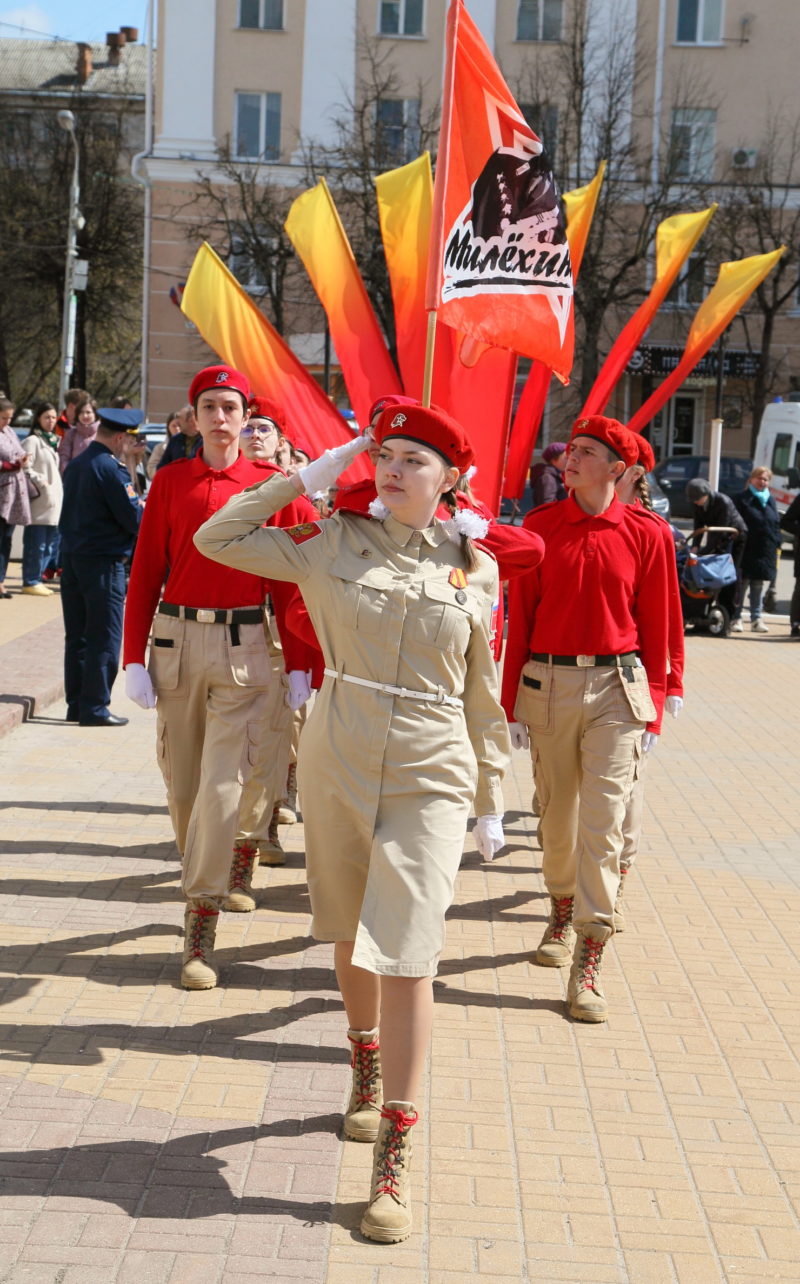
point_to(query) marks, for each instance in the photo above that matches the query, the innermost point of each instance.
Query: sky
(73, 19)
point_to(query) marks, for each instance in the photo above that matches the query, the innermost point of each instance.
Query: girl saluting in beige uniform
(405, 735)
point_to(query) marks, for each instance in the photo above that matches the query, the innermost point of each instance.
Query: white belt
(435, 697)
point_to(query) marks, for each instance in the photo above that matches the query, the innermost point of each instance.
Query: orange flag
(499, 268)
(405, 201)
(316, 232)
(735, 283)
(233, 327)
(580, 204)
(676, 237)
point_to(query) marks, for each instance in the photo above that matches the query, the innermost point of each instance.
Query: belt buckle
(206, 617)
(584, 661)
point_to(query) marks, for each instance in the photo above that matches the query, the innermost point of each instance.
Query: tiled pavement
(149, 1135)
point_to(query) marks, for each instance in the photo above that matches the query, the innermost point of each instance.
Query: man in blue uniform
(99, 523)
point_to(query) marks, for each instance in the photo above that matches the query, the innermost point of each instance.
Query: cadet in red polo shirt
(585, 675)
(210, 674)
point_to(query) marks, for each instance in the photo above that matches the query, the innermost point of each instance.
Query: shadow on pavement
(141, 851)
(133, 888)
(95, 808)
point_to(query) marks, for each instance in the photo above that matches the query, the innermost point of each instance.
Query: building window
(689, 289)
(397, 131)
(692, 143)
(699, 22)
(539, 19)
(258, 126)
(543, 120)
(264, 14)
(242, 263)
(400, 17)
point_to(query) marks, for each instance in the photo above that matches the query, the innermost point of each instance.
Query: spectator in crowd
(15, 506)
(790, 522)
(760, 557)
(186, 442)
(172, 427)
(712, 508)
(40, 538)
(81, 435)
(547, 478)
(74, 398)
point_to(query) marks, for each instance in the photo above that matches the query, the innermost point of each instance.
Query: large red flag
(499, 268)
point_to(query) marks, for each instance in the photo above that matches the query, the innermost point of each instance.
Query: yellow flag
(405, 201)
(733, 287)
(580, 204)
(676, 237)
(316, 232)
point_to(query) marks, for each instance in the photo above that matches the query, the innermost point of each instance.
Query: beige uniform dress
(387, 780)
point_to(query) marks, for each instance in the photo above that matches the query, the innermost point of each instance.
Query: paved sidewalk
(148, 1134)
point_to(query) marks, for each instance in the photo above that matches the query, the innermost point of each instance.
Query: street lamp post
(66, 120)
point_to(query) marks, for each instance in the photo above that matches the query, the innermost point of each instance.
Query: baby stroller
(702, 576)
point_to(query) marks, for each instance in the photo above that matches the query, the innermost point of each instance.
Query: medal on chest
(459, 581)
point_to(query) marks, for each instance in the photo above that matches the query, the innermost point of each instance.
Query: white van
(778, 446)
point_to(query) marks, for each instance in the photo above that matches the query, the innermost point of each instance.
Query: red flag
(499, 269)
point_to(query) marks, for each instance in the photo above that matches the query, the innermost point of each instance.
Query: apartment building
(265, 77)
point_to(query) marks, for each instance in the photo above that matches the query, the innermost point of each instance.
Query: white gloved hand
(489, 836)
(321, 473)
(674, 705)
(649, 741)
(519, 735)
(299, 688)
(138, 686)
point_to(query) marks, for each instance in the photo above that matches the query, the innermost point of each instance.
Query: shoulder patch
(306, 530)
(129, 491)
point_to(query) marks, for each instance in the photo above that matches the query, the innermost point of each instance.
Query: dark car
(673, 473)
(658, 498)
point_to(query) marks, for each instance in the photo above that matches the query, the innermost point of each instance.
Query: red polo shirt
(180, 499)
(602, 588)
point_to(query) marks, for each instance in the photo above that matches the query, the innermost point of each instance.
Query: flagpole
(436, 244)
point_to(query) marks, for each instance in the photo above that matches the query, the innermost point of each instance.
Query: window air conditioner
(744, 157)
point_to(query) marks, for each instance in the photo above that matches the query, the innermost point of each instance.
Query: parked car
(152, 434)
(778, 446)
(659, 500)
(673, 473)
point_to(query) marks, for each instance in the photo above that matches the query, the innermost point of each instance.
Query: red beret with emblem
(615, 436)
(646, 457)
(391, 399)
(428, 426)
(225, 377)
(265, 408)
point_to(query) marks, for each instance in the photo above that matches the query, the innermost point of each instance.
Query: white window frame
(682, 298)
(263, 96)
(540, 38)
(699, 38)
(408, 152)
(262, 4)
(701, 122)
(401, 34)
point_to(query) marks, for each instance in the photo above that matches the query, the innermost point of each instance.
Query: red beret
(614, 435)
(219, 377)
(391, 399)
(263, 408)
(646, 457)
(430, 427)
(298, 442)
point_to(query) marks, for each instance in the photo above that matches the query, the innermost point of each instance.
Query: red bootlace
(195, 941)
(590, 962)
(243, 856)
(366, 1067)
(562, 916)
(392, 1157)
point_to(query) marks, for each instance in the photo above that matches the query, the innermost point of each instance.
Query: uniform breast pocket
(442, 620)
(166, 650)
(637, 693)
(534, 704)
(363, 594)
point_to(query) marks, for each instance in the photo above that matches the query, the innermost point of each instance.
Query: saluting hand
(321, 473)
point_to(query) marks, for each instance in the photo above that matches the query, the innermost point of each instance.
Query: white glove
(321, 473)
(674, 705)
(489, 836)
(138, 686)
(519, 735)
(649, 741)
(299, 688)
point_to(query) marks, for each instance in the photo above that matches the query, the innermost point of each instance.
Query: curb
(32, 668)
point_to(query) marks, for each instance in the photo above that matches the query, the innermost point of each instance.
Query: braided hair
(643, 488)
(468, 551)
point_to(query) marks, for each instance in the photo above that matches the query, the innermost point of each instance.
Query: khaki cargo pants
(586, 727)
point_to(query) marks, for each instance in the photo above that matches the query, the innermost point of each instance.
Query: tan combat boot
(239, 899)
(388, 1215)
(287, 808)
(556, 946)
(619, 913)
(362, 1117)
(271, 851)
(585, 998)
(199, 971)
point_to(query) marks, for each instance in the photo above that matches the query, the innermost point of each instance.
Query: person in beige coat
(40, 539)
(405, 736)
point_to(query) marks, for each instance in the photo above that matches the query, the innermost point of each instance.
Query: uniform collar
(239, 470)
(612, 516)
(400, 534)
